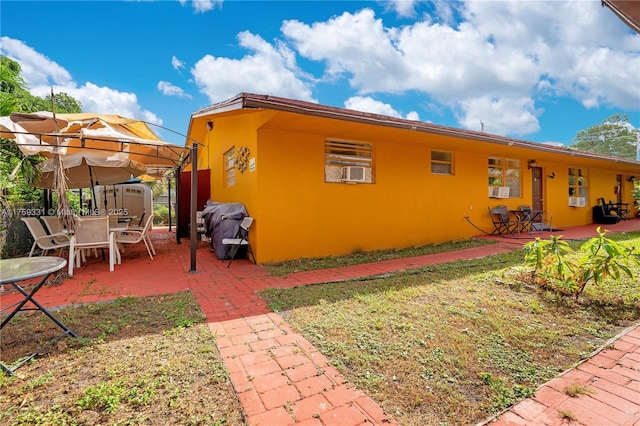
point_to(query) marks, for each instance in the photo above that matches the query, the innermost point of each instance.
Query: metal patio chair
(241, 240)
(502, 222)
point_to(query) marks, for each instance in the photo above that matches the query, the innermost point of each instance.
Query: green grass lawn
(457, 342)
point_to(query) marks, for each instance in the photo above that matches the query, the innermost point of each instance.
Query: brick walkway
(607, 387)
(282, 379)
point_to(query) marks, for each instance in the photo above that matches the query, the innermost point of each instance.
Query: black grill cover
(222, 220)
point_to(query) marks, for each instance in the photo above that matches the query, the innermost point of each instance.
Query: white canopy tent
(35, 133)
(60, 135)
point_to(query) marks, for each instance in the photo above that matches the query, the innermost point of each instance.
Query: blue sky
(538, 70)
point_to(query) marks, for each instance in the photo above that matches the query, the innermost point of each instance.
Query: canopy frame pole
(193, 235)
(169, 200)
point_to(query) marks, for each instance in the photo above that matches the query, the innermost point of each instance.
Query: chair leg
(249, 251)
(234, 249)
(148, 240)
(148, 249)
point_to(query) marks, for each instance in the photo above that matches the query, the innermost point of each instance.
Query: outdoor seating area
(609, 213)
(514, 222)
(98, 234)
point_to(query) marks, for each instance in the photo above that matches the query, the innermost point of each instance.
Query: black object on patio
(222, 220)
(602, 213)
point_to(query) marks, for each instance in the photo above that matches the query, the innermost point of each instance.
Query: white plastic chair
(242, 239)
(92, 232)
(43, 240)
(132, 236)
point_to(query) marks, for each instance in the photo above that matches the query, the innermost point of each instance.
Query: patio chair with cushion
(241, 240)
(42, 240)
(133, 236)
(603, 214)
(92, 232)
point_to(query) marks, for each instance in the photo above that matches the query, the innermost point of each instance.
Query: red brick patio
(291, 382)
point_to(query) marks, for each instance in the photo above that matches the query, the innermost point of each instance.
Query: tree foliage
(613, 136)
(17, 171)
(15, 97)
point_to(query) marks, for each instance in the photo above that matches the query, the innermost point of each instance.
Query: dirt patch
(136, 361)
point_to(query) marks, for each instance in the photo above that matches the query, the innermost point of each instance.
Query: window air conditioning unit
(577, 201)
(353, 174)
(499, 191)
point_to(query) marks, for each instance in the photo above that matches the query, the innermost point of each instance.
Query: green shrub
(161, 214)
(556, 266)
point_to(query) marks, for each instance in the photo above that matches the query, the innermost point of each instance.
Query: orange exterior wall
(298, 215)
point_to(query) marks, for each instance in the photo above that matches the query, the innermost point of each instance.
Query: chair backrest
(148, 224)
(502, 211)
(142, 218)
(113, 221)
(92, 229)
(526, 211)
(246, 223)
(53, 224)
(35, 227)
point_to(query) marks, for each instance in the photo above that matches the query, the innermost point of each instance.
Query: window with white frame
(229, 167)
(441, 163)
(350, 162)
(577, 187)
(504, 177)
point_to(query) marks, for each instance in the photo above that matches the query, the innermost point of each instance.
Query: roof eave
(253, 101)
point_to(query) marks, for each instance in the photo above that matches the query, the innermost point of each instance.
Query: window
(348, 162)
(577, 187)
(229, 169)
(441, 163)
(504, 173)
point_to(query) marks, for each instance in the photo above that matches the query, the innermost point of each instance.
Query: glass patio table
(14, 271)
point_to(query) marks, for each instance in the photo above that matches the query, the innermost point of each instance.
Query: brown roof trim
(628, 12)
(251, 100)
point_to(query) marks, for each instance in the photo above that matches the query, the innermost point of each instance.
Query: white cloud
(202, 6)
(37, 69)
(488, 114)
(176, 63)
(41, 74)
(367, 104)
(109, 101)
(269, 70)
(494, 66)
(405, 8)
(353, 45)
(170, 90)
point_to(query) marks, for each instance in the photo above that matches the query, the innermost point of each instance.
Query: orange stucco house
(324, 181)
